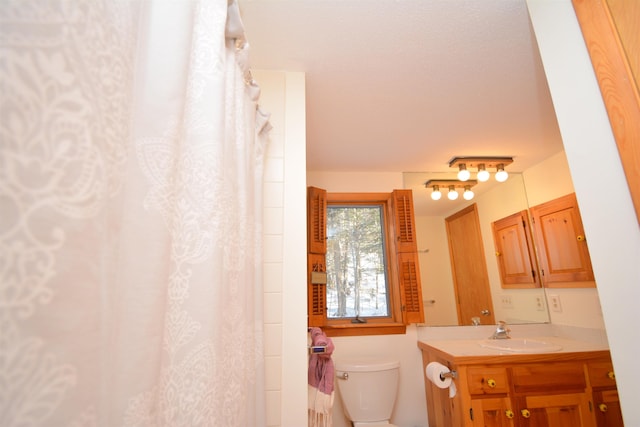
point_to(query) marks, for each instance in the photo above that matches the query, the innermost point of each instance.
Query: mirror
(493, 201)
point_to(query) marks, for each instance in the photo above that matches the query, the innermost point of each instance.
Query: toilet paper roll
(433, 372)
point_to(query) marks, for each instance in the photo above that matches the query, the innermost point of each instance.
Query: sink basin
(521, 345)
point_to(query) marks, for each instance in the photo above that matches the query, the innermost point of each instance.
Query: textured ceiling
(405, 85)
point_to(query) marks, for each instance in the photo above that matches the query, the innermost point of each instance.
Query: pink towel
(321, 370)
(321, 374)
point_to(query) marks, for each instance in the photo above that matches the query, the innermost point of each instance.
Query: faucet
(502, 331)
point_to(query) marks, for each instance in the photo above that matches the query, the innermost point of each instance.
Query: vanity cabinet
(524, 390)
(605, 394)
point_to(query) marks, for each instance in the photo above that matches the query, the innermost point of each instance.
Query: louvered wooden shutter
(316, 254)
(407, 256)
(410, 288)
(317, 220)
(404, 221)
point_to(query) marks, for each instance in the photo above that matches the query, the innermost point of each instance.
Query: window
(362, 262)
(356, 260)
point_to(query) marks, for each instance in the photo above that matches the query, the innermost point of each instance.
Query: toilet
(368, 390)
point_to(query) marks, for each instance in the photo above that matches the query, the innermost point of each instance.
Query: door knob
(485, 312)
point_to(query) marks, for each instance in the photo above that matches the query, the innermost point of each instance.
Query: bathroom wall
(546, 181)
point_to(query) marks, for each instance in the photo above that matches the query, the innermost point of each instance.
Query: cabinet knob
(508, 413)
(603, 407)
(580, 238)
(491, 383)
(498, 253)
(611, 375)
(525, 413)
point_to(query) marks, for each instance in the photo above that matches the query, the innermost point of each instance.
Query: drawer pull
(508, 413)
(491, 383)
(525, 413)
(603, 407)
(611, 375)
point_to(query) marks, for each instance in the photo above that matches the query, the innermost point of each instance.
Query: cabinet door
(561, 244)
(607, 408)
(514, 251)
(496, 412)
(561, 410)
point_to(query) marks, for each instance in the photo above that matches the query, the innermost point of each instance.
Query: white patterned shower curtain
(131, 152)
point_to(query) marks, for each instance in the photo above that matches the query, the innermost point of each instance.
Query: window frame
(400, 246)
(384, 201)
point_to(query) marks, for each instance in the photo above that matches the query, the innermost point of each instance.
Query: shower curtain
(131, 152)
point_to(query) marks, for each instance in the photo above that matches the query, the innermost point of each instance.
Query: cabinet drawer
(559, 377)
(601, 374)
(487, 380)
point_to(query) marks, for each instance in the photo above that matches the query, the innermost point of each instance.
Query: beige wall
(546, 181)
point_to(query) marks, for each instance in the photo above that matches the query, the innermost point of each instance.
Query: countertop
(470, 350)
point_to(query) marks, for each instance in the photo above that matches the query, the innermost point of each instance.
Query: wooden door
(514, 251)
(469, 266)
(607, 408)
(560, 410)
(492, 412)
(561, 243)
(610, 31)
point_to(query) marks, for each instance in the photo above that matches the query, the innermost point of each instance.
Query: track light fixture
(452, 185)
(482, 164)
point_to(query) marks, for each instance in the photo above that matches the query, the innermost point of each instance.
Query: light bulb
(452, 194)
(483, 173)
(463, 174)
(468, 194)
(436, 194)
(501, 174)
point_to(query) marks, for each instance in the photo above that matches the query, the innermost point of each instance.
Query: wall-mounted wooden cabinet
(555, 235)
(515, 253)
(561, 244)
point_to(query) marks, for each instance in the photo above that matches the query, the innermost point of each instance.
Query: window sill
(351, 330)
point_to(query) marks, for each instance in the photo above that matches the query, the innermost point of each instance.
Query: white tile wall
(273, 191)
(282, 95)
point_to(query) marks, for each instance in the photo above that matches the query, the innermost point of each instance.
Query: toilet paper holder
(451, 374)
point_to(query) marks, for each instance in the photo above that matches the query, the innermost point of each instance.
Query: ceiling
(405, 85)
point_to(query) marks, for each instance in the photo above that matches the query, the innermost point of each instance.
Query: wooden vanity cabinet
(524, 390)
(605, 394)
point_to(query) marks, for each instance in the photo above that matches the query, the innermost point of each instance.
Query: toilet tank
(369, 388)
